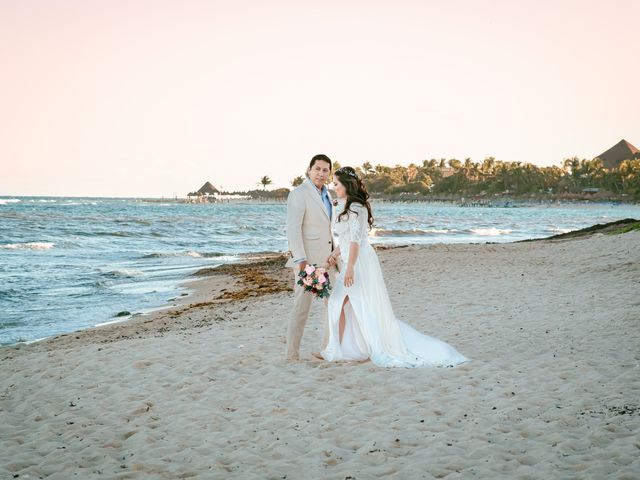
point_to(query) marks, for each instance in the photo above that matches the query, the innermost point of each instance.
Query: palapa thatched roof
(621, 151)
(208, 189)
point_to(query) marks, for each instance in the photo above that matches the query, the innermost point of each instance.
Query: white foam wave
(380, 232)
(123, 272)
(129, 272)
(171, 254)
(5, 201)
(29, 246)
(490, 232)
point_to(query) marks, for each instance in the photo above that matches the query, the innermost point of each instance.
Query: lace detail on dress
(350, 228)
(358, 223)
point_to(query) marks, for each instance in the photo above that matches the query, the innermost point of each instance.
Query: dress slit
(371, 329)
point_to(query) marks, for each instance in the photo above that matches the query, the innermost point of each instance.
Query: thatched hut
(206, 193)
(620, 152)
(208, 189)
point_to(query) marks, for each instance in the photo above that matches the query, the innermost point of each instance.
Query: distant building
(207, 193)
(208, 189)
(620, 152)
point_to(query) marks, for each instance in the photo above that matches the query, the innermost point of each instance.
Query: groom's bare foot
(317, 355)
(293, 358)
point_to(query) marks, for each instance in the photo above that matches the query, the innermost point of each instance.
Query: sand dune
(552, 389)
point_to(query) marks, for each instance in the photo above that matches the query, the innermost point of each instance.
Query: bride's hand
(348, 276)
(331, 260)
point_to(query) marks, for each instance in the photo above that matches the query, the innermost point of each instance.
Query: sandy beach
(202, 390)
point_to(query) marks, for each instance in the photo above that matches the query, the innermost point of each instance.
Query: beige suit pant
(300, 314)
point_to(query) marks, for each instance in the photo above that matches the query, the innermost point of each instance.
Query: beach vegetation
(492, 177)
(265, 182)
(627, 228)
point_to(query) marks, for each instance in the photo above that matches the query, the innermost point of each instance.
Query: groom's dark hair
(320, 157)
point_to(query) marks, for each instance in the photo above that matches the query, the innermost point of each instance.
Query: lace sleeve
(358, 223)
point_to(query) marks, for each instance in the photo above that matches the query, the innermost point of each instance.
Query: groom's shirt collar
(324, 195)
(319, 190)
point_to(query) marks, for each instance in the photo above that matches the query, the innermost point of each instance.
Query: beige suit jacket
(308, 225)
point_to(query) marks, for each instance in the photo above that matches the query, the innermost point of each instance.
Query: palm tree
(502, 173)
(382, 169)
(367, 168)
(297, 181)
(550, 177)
(629, 171)
(412, 173)
(488, 166)
(572, 167)
(595, 171)
(517, 176)
(455, 164)
(264, 181)
(470, 169)
(335, 166)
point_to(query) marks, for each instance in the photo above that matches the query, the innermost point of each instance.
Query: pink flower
(308, 281)
(309, 269)
(322, 279)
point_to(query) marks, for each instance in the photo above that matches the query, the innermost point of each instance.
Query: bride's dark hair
(356, 192)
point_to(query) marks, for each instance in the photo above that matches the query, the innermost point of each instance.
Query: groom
(309, 212)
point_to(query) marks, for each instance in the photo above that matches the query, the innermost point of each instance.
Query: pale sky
(152, 98)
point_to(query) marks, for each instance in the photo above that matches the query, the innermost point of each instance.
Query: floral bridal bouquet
(315, 279)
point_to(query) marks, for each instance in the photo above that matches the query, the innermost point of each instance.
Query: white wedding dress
(371, 329)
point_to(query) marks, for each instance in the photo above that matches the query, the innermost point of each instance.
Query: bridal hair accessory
(315, 280)
(348, 172)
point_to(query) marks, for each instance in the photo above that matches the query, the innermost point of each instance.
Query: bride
(362, 324)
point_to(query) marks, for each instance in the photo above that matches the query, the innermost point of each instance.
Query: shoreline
(209, 286)
(200, 285)
(524, 200)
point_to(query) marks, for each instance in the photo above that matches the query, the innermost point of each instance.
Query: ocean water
(72, 263)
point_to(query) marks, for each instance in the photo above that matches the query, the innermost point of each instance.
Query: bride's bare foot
(317, 355)
(362, 361)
